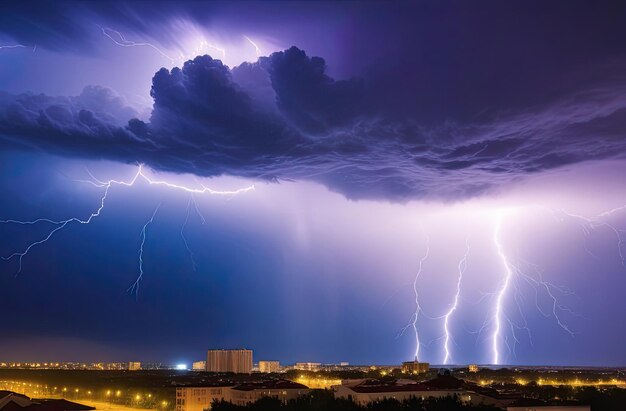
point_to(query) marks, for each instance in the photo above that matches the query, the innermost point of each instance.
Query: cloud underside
(284, 118)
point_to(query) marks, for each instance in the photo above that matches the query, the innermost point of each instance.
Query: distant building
(269, 366)
(134, 366)
(198, 366)
(237, 361)
(201, 398)
(344, 364)
(473, 368)
(307, 366)
(415, 367)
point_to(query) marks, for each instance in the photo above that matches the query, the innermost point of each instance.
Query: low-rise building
(198, 366)
(415, 367)
(363, 392)
(282, 389)
(134, 366)
(198, 398)
(269, 366)
(201, 398)
(472, 368)
(307, 366)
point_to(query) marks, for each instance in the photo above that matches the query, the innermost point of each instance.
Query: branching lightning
(589, 224)
(508, 273)
(135, 286)
(418, 309)
(516, 272)
(120, 40)
(461, 268)
(182, 229)
(507, 315)
(106, 185)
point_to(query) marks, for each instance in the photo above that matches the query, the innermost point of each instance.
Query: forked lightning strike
(514, 273)
(120, 40)
(589, 224)
(135, 286)
(140, 174)
(461, 269)
(413, 320)
(508, 273)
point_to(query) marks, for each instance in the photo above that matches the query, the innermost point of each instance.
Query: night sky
(418, 167)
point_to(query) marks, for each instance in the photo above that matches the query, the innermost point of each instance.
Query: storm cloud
(285, 118)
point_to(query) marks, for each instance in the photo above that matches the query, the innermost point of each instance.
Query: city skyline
(369, 182)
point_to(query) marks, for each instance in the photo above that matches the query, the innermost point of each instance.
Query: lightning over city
(339, 205)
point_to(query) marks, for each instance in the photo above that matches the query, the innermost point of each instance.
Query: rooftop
(11, 401)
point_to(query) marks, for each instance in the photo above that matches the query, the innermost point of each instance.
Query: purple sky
(375, 134)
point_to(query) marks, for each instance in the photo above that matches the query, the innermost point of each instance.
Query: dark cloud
(319, 129)
(308, 96)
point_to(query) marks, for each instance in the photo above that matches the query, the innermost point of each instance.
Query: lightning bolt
(16, 46)
(135, 286)
(508, 273)
(589, 224)
(107, 185)
(182, 229)
(461, 269)
(120, 40)
(514, 274)
(257, 50)
(418, 309)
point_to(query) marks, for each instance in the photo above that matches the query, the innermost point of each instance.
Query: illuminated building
(201, 398)
(237, 361)
(269, 366)
(134, 366)
(415, 367)
(307, 366)
(198, 366)
(198, 398)
(473, 368)
(282, 389)
(364, 392)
